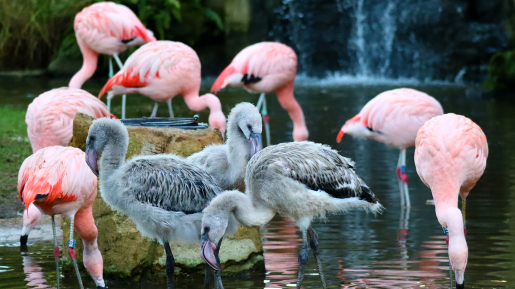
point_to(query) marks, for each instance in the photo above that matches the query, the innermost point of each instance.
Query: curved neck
(290, 104)
(88, 66)
(239, 150)
(247, 211)
(198, 103)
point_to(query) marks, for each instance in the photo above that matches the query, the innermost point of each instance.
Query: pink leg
(288, 102)
(92, 258)
(71, 251)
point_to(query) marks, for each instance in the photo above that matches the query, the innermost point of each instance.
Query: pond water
(397, 249)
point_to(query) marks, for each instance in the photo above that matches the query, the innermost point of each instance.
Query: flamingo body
(262, 68)
(105, 28)
(161, 70)
(57, 180)
(450, 156)
(393, 117)
(50, 116)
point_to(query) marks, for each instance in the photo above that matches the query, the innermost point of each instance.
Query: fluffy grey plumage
(163, 194)
(302, 180)
(227, 162)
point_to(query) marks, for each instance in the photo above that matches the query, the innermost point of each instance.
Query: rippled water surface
(397, 249)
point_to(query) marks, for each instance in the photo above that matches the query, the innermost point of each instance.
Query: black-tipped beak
(460, 286)
(255, 143)
(91, 159)
(23, 240)
(207, 252)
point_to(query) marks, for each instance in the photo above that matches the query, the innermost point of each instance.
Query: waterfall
(389, 25)
(358, 41)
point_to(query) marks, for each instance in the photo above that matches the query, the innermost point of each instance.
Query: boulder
(128, 255)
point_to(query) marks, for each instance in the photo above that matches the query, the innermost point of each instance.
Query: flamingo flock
(202, 198)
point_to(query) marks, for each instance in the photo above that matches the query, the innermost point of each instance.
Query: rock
(128, 255)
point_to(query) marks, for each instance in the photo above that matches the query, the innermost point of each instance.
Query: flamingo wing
(100, 21)
(50, 116)
(155, 60)
(55, 172)
(254, 63)
(170, 184)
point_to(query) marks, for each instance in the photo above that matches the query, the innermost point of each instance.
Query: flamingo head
(354, 127)
(217, 121)
(31, 218)
(214, 225)
(245, 125)
(458, 250)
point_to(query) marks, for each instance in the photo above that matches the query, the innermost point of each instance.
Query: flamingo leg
(124, 97)
(71, 251)
(111, 74)
(169, 102)
(154, 111)
(403, 179)
(170, 264)
(56, 252)
(303, 258)
(218, 273)
(261, 106)
(401, 186)
(313, 242)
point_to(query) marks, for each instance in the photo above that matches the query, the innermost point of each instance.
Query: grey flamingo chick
(227, 162)
(302, 180)
(163, 194)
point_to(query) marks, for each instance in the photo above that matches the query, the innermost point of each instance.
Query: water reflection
(398, 249)
(33, 270)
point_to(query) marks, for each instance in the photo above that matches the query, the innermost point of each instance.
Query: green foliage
(34, 32)
(14, 148)
(501, 72)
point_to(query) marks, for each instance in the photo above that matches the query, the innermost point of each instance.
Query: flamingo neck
(88, 68)
(247, 211)
(290, 104)
(113, 157)
(239, 152)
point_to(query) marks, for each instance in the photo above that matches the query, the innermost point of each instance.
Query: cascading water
(435, 40)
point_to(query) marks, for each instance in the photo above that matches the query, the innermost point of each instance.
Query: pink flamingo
(161, 70)
(50, 116)
(49, 122)
(393, 118)
(450, 156)
(262, 68)
(106, 28)
(57, 180)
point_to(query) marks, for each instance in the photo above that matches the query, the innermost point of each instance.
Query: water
(357, 250)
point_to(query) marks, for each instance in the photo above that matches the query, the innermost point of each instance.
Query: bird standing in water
(301, 180)
(393, 118)
(262, 68)
(106, 28)
(450, 156)
(161, 70)
(57, 180)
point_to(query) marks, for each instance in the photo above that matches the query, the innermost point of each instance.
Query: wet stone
(126, 254)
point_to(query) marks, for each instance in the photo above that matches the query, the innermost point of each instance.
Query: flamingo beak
(91, 158)
(207, 251)
(339, 136)
(255, 143)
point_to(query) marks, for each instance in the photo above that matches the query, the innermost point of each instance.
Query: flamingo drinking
(106, 28)
(393, 118)
(450, 156)
(262, 68)
(57, 180)
(161, 70)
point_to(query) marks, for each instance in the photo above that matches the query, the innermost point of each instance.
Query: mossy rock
(127, 255)
(501, 72)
